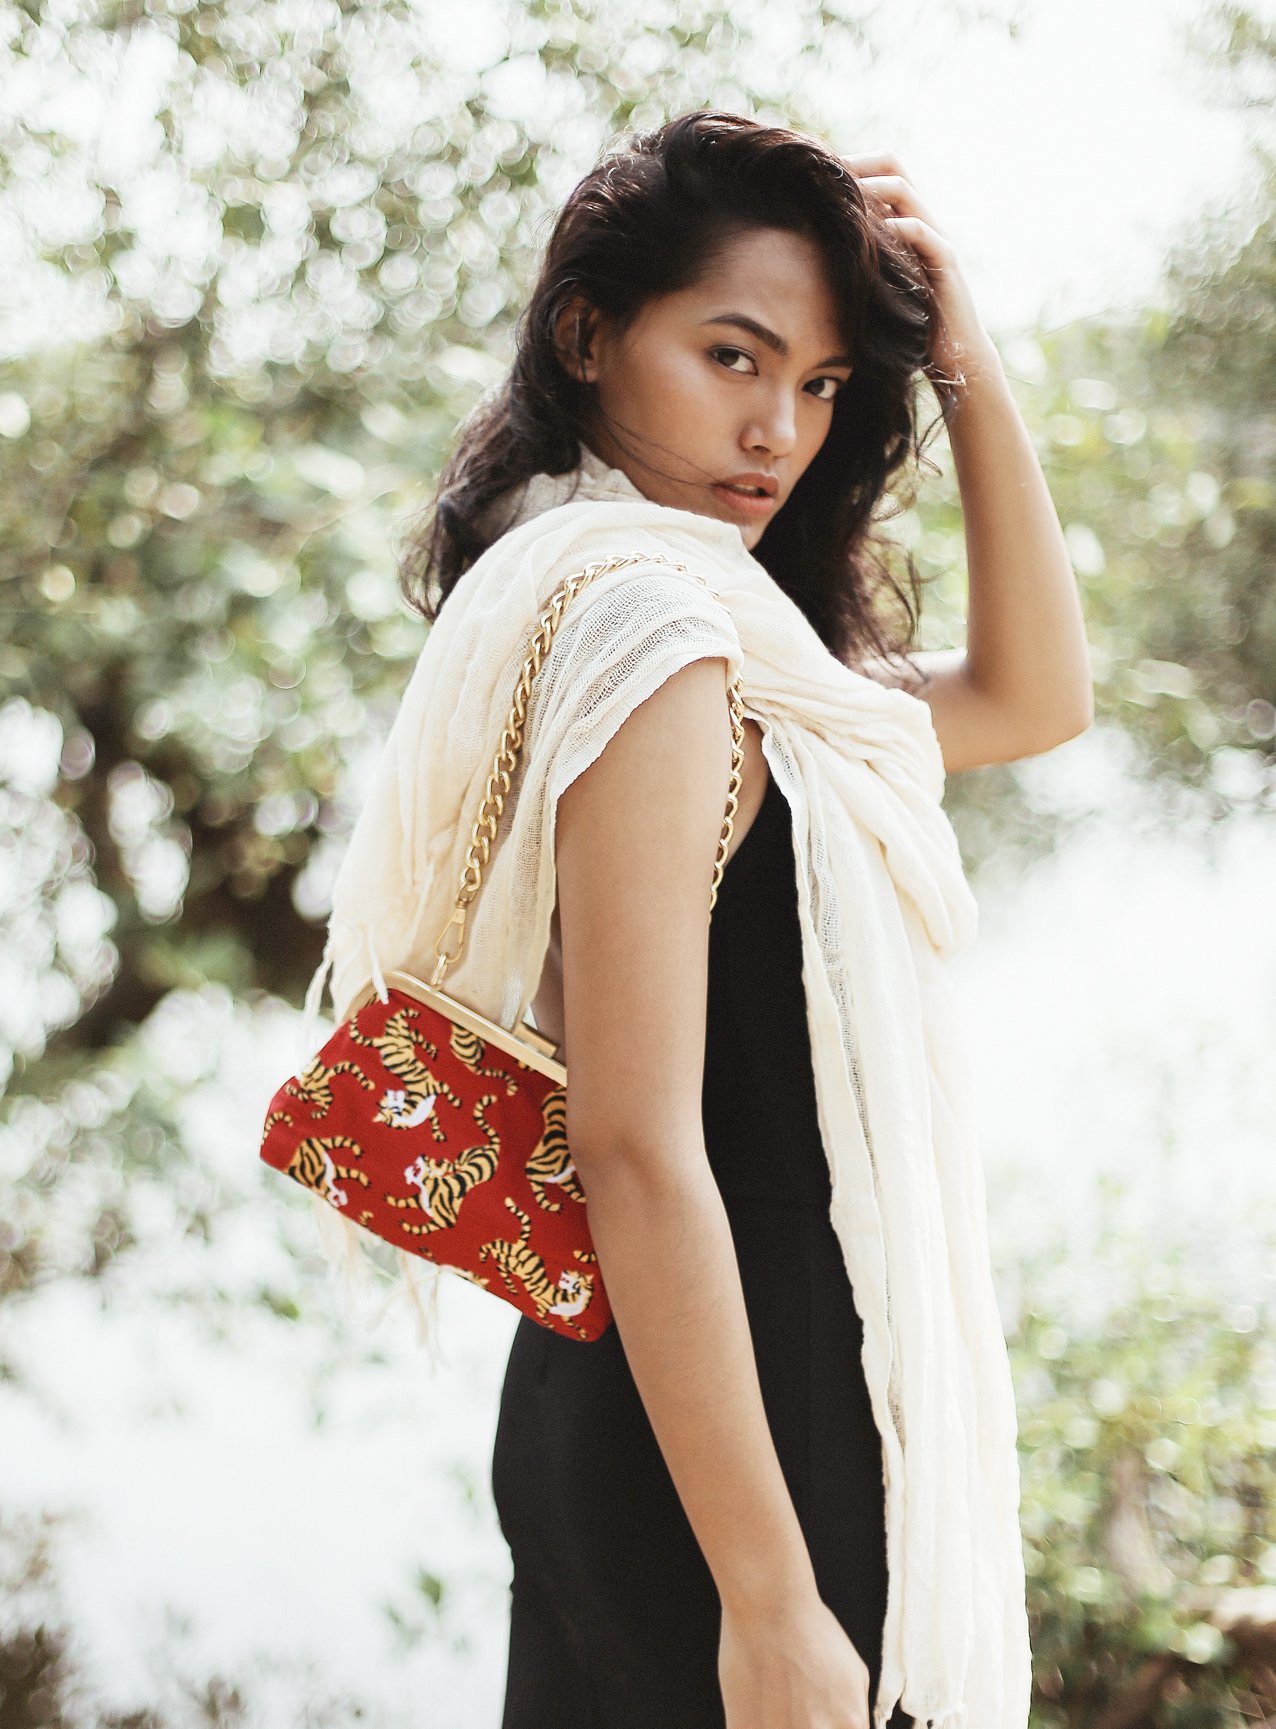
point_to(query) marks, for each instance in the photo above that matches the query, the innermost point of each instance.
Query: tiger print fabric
(417, 1130)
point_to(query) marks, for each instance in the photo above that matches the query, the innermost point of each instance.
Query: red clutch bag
(443, 1132)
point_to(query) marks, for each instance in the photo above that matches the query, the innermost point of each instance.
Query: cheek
(668, 381)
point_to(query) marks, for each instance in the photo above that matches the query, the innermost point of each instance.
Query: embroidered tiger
(442, 1184)
(399, 1048)
(549, 1163)
(313, 1086)
(313, 1166)
(467, 1048)
(514, 1260)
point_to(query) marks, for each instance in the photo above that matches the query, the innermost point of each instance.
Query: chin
(750, 532)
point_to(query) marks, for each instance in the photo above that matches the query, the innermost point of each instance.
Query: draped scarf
(883, 904)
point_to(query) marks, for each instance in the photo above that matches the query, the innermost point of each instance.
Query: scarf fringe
(954, 1717)
(313, 1002)
(354, 1275)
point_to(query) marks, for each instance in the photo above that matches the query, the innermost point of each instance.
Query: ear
(574, 335)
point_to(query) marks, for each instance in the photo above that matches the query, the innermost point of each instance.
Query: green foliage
(201, 506)
(297, 282)
(1148, 1452)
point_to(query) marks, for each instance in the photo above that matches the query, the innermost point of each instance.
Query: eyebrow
(770, 337)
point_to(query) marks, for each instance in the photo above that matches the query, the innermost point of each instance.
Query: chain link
(500, 778)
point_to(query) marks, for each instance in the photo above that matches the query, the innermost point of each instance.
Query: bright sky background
(1061, 162)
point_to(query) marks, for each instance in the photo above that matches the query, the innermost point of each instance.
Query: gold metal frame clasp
(445, 960)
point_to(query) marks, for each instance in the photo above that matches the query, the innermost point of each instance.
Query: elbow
(1060, 729)
(1085, 709)
(654, 1165)
(1080, 720)
(1083, 701)
(1070, 717)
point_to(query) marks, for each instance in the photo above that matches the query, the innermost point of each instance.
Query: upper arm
(969, 732)
(636, 837)
(972, 728)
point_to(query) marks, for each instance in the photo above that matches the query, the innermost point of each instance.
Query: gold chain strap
(483, 832)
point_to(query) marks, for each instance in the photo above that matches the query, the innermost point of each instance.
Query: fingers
(882, 175)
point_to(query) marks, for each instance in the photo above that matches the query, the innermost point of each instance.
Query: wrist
(770, 1593)
(972, 369)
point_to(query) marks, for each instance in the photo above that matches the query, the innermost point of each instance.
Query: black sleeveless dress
(614, 1616)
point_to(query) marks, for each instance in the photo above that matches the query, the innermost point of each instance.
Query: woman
(719, 359)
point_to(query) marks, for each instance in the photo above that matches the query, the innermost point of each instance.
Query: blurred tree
(298, 269)
(1158, 437)
(1183, 496)
(298, 273)
(1148, 1448)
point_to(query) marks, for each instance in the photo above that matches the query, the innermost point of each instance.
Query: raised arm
(636, 839)
(1023, 683)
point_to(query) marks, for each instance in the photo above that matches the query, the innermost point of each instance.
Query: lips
(744, 501)
(753, 485)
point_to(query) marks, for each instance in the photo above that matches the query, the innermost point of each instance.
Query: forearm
(1026, 648)
(666, 1252)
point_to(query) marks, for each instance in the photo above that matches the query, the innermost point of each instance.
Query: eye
(743, 354)
(739, 351)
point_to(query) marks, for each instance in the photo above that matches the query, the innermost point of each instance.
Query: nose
(773, 426)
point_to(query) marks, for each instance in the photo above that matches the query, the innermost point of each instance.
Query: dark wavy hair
(647, 221)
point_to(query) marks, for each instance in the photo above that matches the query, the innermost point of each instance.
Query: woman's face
(689, 398)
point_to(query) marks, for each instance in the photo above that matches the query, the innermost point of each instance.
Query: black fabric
(614, 1615)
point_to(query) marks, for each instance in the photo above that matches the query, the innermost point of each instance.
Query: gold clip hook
(445, 960)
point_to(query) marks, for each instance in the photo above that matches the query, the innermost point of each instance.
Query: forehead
(776, 278)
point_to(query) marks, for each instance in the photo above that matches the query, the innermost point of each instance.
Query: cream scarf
(883, 903)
